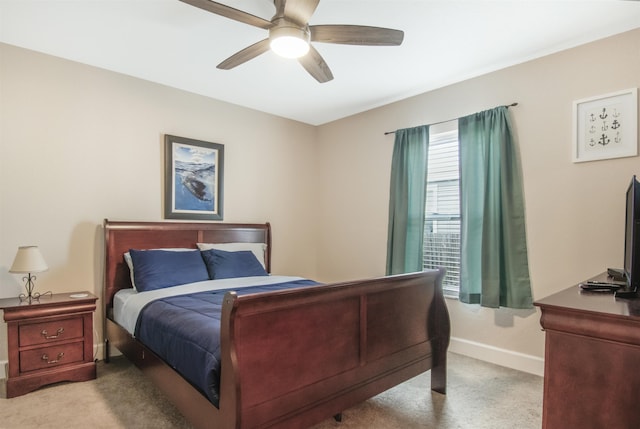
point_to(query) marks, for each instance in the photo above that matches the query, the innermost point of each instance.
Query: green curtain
(494, 270)
(407, 200)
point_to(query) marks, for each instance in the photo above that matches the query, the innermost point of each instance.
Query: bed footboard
(294, 358)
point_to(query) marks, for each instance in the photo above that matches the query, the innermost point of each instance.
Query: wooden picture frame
(606, 126)
(193, 179)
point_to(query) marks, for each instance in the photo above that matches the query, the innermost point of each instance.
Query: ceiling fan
(290, 34)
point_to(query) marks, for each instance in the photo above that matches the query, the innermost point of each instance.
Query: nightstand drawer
(47, 357)
(46, 332)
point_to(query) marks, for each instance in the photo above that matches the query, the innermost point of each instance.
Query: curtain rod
(449, 120)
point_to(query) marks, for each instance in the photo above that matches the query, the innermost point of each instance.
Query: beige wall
(574, 212)
(79, 144)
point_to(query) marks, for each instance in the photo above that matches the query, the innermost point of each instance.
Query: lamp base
(29, 285)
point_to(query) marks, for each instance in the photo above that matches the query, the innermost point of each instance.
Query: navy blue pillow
(225, 265)
(157, 269)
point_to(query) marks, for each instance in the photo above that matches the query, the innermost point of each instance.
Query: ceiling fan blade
(356, 35)
(316, 66)
(300, 11)
(245, 55)
(229, 12)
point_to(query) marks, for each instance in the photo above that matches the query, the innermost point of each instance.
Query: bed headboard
(121, 236)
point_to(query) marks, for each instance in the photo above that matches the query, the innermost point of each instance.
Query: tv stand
(592, 350)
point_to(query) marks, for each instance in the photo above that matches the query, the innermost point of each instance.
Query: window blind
(442, 210)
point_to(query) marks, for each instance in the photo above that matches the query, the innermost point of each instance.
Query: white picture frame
(606, 126)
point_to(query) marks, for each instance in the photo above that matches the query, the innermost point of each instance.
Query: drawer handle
(45, 357)
(46, 335)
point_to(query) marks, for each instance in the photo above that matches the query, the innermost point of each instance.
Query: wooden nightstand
(50, 340)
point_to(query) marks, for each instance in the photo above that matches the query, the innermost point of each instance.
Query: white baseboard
(98, 351)
(507, 358)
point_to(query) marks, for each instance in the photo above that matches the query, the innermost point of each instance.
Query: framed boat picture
(194, 173)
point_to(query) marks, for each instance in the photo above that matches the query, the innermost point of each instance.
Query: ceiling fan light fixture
(289, 42)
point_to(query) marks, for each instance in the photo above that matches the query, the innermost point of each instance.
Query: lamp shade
(28, 260)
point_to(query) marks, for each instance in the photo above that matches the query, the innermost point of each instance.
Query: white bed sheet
(127, 303)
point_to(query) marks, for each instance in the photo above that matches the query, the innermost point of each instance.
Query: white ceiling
(178, 45)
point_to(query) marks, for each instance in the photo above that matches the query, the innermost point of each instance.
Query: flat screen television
(632, 237)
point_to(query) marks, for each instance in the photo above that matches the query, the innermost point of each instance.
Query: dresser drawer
(46, 332)
(52, 356)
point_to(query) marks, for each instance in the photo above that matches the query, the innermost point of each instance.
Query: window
(442, 221)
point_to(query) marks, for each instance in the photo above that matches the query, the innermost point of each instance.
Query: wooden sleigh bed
(374, 335)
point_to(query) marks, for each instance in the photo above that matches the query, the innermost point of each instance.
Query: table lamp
(28, 260)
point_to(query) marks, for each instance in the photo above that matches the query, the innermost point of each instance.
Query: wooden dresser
(49, 340)
(592, 360)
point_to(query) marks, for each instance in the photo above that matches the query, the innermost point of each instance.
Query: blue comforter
(185, 331)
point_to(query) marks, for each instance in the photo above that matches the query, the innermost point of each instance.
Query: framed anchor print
(606, 126)
(193, 182)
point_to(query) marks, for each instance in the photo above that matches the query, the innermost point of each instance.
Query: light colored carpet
(479, 396)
